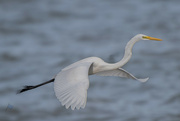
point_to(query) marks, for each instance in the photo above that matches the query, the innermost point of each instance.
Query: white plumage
(71, 85)
(72, 82)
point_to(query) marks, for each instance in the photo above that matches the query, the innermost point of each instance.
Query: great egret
(71, 83)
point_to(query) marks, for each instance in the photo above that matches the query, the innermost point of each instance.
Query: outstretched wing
(71, 85)
(121, 73)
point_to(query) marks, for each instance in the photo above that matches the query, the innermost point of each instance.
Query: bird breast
(98, 65)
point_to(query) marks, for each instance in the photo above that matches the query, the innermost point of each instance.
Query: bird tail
(26, 88)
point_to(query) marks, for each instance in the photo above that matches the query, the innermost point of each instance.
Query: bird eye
(144, 37)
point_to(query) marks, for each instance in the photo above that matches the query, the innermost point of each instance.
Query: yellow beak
(152, 38)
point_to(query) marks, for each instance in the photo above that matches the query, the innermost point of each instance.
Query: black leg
(26, 88)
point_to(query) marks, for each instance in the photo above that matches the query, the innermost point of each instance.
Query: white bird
(72, 82)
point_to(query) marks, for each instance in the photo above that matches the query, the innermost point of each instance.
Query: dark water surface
(40, 37)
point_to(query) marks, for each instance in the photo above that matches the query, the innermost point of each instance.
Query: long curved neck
(127, 54)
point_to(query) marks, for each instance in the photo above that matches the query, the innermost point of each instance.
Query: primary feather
(71, 85)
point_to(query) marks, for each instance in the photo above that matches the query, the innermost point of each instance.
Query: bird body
(72, 82)
(98, 63)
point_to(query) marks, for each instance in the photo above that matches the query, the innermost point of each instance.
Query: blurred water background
(40, 37)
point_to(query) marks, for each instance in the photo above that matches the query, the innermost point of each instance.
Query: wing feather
(71, 85)
(121, 73)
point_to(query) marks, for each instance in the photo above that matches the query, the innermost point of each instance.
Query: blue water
(40, 37)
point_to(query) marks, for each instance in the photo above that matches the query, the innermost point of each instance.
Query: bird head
(145, 37)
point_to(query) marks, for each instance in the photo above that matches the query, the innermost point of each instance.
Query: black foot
(26, 88)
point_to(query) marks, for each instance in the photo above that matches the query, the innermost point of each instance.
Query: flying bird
(72, 82)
